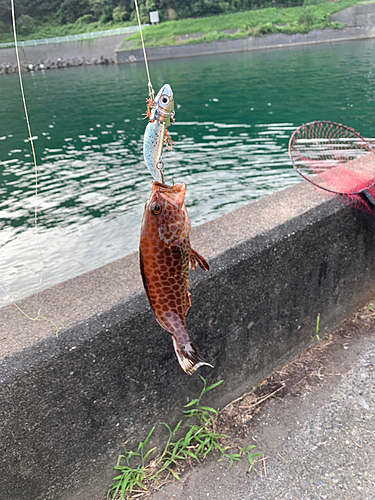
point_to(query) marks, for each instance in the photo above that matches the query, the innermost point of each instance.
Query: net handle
(366, 196)
(337, 125)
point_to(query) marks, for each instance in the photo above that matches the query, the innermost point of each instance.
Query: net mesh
(334, 158)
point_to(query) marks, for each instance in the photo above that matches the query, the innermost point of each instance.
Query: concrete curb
(68, 404)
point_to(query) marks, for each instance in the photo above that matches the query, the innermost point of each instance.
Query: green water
(234, 116)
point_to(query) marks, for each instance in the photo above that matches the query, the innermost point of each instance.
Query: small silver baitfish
(160, 112)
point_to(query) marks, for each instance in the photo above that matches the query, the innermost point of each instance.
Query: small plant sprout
(317, 326)
(252, 458)
(199, 440)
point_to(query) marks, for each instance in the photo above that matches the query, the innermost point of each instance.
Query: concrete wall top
(101, 290)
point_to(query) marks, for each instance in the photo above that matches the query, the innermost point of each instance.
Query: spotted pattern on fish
(165, 255)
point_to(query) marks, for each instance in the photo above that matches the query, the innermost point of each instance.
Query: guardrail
(126, 30)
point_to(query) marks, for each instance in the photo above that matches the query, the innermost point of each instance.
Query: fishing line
(28, 125)
(38, 316)
(151, 91)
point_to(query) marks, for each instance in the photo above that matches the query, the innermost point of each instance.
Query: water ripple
(231, 147)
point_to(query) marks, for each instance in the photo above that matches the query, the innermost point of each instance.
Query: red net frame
(334, 158)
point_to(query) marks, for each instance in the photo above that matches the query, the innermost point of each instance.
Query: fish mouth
(173, 194)
(166, 188)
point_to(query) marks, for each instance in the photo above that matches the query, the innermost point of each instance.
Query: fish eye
(164, 100)
(155, 208)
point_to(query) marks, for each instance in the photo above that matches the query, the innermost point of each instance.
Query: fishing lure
(160, 112)
(165, 255)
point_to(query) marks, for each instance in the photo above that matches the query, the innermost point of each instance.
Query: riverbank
(277, 41)
(359, 21)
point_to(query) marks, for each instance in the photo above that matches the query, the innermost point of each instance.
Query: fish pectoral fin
(195, 258)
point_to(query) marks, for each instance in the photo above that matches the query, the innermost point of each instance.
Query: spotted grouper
(165, 255)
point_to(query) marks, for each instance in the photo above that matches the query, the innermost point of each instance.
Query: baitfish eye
(164, 100)
(155, 208)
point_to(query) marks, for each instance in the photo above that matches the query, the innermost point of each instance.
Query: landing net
(334, 158)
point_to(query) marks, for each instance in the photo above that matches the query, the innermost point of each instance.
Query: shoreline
(266, 42)
(359, 23)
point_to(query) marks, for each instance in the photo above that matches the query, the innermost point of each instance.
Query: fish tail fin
(195, 258)
(188, 356)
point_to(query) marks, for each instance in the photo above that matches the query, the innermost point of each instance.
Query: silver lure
(153, 149)
(161, 115)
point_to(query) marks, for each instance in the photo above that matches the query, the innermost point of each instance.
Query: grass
(317, 327)
(250, 23)
(137, 472)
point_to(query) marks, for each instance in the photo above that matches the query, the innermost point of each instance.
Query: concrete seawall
(68, 404)
(88, 49)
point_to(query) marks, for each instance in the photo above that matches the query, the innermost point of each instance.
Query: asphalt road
(319, 444)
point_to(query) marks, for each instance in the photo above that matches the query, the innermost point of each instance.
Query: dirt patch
(314, 365)
(320, 365)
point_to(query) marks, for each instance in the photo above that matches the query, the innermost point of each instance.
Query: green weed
(317, 326)
(136, 470)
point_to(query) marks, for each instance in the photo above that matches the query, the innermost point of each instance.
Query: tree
(25, 24)
(71, 10)
(120, 14)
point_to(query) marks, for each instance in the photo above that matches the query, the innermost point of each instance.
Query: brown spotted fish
(165, 255)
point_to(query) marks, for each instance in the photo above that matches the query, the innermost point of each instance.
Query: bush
(143, 15)
(307, 18)
(4, 27)
(119, 14)
(86, 19)
(262, 29)
(182, 13)
(25, 24)
(71, 10)
(306, 3)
